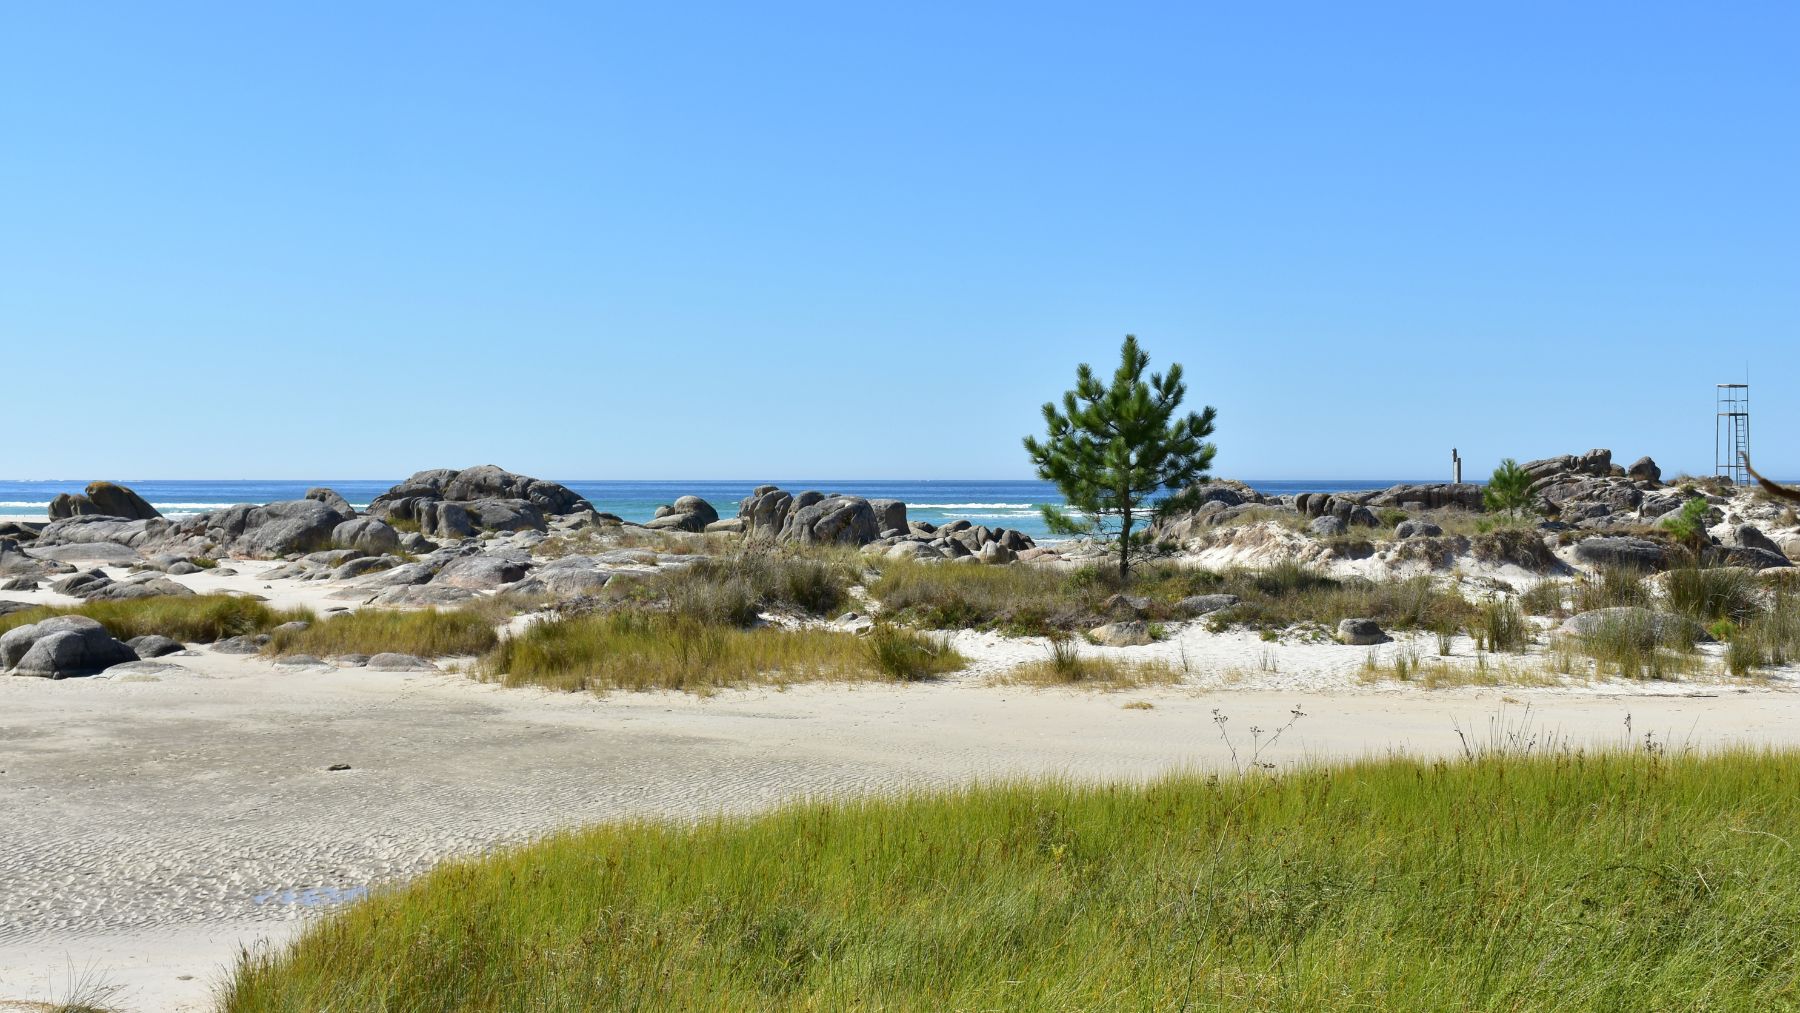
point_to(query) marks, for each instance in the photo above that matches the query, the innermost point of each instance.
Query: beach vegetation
(1508, 490)
(638, 649)
(197, 619)
(1524, 875)
(1113, 448)
(428, 633)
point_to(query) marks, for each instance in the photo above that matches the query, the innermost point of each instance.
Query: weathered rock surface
(389, 662)
(1130, 633)
(1621, 551)
(271, 529)
(332, 499)
(483, 573)
(106, 499)
(1205, 604)
(1361, 632)
(60, 647)
(689, 513)
(367, 534)
(455, 504)
(153, 646)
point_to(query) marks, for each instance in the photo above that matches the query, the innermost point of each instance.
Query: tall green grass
(199, 619)
(1556, 882)
(429, 633)
(637, 650)
(737, 587)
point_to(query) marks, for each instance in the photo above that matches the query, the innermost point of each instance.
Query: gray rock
(996, 554)
(1416, 529)
(417, 544)
(367, 564)
(423, 595)
(105, 499)
(1622, 552)
(15, 642)
(1327, 526)
(1361, 632)
(912, 550)
(689, 513)
(448, 520)
(1751, 558)
(505, 515)
(1363, 517)
(330, 498)
(890, 514)
(153, 646)
(839, 520)
(158, 587)
(482, 573)
(726, 526)
(299, 661)
(19, 584)
(1204, 604)
(388, 662)
(274, 529)
(1644, 469)
(366, 534)
(351, 660)
(402, 575)
(241, 645)
(74, 583)
(1131, 633)
(106, 553)
(568, 577)
(297, 626)
(69, 653)
(1750, 537)
(182, 569)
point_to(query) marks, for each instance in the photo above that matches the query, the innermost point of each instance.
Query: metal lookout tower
(1731, 431)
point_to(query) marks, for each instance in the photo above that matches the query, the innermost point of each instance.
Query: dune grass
(1040, 601)
(737, 587)
(198, 619)
(428, 633)
(1064, 665)
(638, 650)
(1553, 881)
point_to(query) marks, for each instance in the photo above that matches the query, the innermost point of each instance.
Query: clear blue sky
(868, 240)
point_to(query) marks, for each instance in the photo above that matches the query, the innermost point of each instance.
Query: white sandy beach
(156, 822)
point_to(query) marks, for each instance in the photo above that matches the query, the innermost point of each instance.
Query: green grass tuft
(199, 619)
(429, 633)
(1554, 882)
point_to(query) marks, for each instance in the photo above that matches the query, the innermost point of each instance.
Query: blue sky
(859, 240)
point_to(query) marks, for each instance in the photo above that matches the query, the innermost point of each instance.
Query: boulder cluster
(447, 503)
(879, 526)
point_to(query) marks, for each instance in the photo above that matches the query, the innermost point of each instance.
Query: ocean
(997, 504)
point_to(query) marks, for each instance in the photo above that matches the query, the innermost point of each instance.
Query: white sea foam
(971, 506)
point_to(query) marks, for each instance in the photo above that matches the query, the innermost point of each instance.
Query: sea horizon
(997, 503)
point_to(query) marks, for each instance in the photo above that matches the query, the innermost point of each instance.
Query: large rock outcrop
(447, 503)
(689, 513)
(60, 647)
(104, 499)
(808, 518)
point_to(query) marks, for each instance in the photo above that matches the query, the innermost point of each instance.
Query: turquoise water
(997, 504)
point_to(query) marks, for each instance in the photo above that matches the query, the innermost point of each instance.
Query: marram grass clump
(1557, 882)
(194, 619)
(630, 649)
(429, 633)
